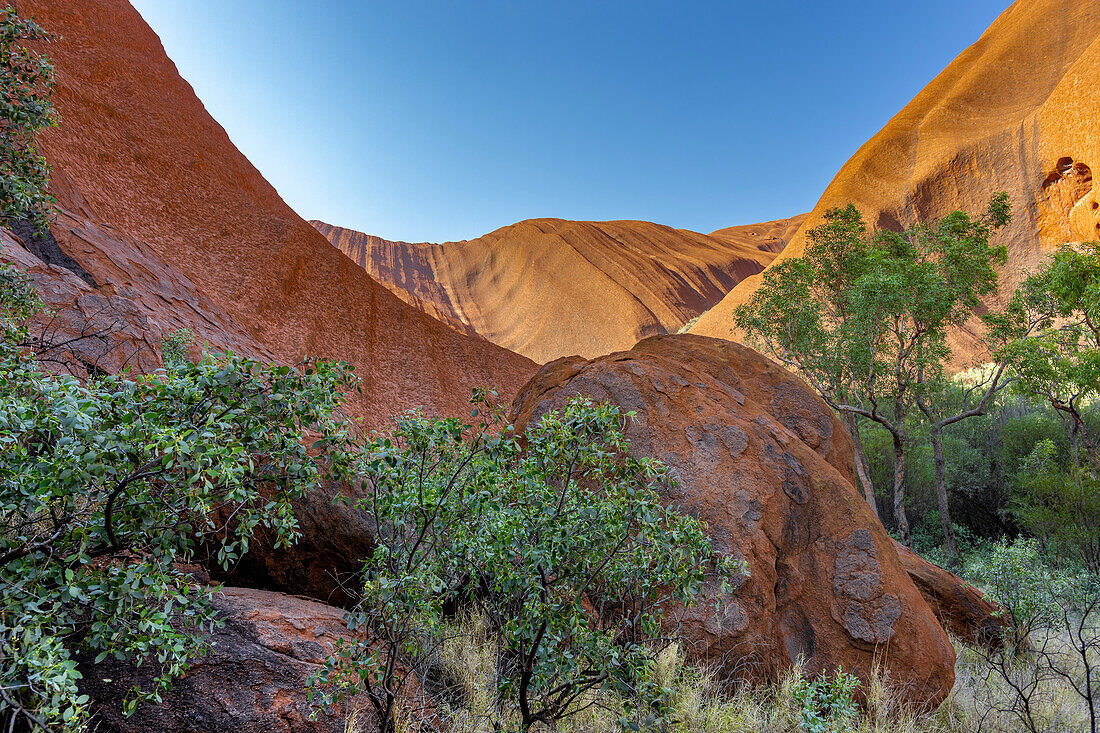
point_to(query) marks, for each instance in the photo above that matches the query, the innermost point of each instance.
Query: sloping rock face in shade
(159, 208)
(325, 563)
(962, 609)
(546, 288)
(1017, 111)
(83, 330)
(253, 679)
(826, 584)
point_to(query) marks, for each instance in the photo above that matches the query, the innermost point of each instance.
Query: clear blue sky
(443, 120)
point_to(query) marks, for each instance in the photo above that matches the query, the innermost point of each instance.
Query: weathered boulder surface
(962, 609)
(325, 563)
(826, 584)
(83, 330)
(253, 680)
(780, 392)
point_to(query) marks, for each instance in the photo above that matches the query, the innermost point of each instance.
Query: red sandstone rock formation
(548, 288)
(161, 210)
(771, 236)
(961, 608)
(1017, 111)
(826, 585)
(253, 679)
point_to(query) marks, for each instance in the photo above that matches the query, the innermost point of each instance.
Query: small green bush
(26, 85)
(827, 703)
(173, 347)
(558, 539)
(106, 486)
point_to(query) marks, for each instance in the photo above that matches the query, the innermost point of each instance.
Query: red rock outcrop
(962, 609)
(253, 679)
(83, 330)
(1017, 111)
(826, 585)
(325, 563)
(159, 208)
(546, 288)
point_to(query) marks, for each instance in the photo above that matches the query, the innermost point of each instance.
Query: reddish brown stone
(254, 679)
(826, 584)
(160, 208)
(546, 288)
(962, 609)
(1017, 111)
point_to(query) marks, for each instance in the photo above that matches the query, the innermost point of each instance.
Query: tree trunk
(1078, 433)
(1090, 449)
(899, 492)
(950, 546)
(863, 475)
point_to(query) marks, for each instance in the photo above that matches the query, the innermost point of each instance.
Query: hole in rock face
(1068, 204)
(1078, 174)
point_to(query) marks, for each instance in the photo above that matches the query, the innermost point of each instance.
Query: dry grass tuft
(703, 704)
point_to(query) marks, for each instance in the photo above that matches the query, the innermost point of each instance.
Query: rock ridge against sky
(1017, 111)
(163, 211)
(547, 288)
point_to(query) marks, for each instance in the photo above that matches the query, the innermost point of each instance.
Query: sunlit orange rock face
(548, 288)
(1018, 111)
(162, 210)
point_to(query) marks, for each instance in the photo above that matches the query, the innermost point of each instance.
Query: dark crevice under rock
(44, 246)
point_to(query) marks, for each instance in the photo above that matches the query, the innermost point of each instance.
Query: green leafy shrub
(1051, 668)
(827, 703)
(26, 83)
(106, 486)
(1059, 503)
(1058, 360)
(988, 474)
(557, 539)
(173, 347)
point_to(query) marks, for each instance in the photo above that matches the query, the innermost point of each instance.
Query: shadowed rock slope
(167, 218)
(547, 288)
(1017, 111)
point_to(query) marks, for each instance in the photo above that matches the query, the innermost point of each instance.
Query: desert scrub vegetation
(539, 535)
(463, 685)
(691, 322)
(462, 682)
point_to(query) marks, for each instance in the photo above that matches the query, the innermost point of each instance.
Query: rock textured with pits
(826, 586)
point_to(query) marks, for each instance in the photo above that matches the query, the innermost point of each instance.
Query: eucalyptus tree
(1054, 318)
(864, 317)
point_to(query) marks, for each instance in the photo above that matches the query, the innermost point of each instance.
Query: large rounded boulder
(766, 465)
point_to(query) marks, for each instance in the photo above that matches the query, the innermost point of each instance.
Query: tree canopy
(864, 317)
